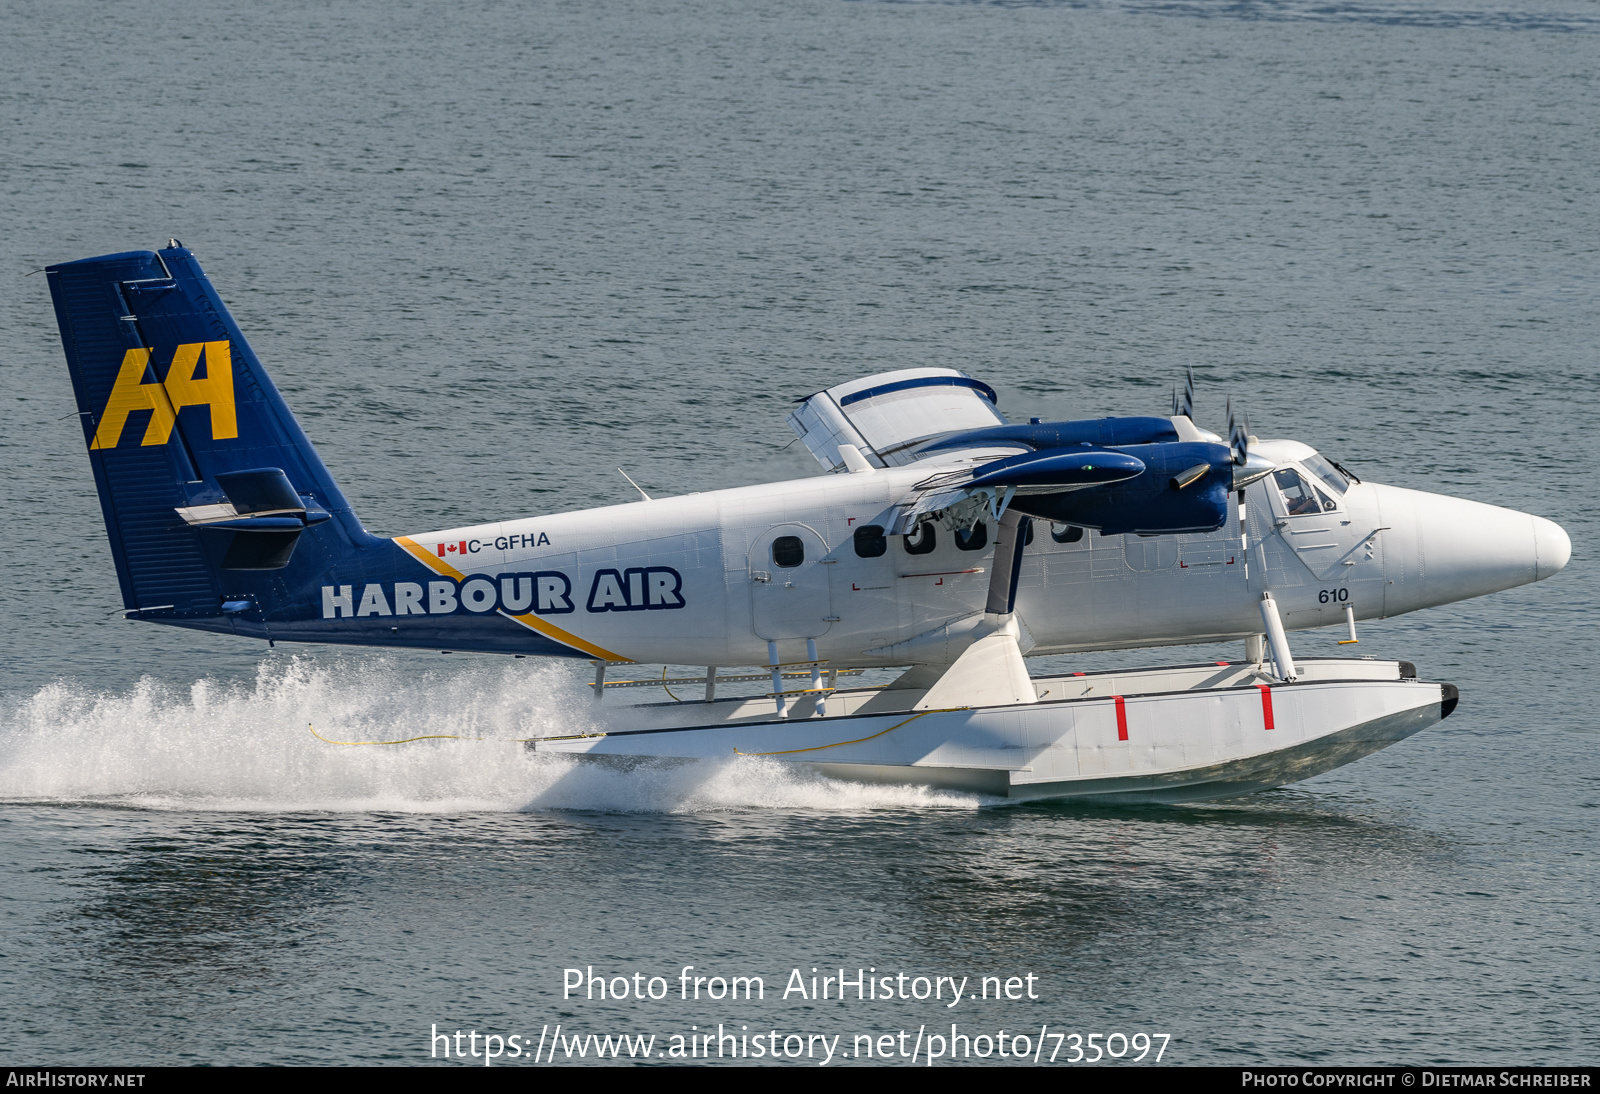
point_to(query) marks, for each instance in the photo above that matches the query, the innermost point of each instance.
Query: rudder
(207, 483)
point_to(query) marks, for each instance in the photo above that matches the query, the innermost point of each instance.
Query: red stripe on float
(1266, 704)
(1122, 719)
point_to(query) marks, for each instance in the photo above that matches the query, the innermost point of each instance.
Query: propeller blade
(1238, 436)
(1248, 467)
(1187, 407)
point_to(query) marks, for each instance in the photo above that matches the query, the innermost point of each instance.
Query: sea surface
(491, 251)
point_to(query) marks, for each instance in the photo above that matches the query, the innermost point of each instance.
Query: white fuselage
(1382, 551)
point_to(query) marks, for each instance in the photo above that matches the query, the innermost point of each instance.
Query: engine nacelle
(1170, 496)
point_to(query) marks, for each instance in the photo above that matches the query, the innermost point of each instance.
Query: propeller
(1238, 436)
(1239, 447)
(1185, 406)
(1248, 467)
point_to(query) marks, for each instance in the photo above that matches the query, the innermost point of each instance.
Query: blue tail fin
(215, 501)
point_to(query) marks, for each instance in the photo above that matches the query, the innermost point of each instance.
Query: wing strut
(1009, 541)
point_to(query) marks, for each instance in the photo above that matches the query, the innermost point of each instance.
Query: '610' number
(1333, 596)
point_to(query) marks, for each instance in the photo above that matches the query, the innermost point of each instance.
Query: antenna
(635, 485)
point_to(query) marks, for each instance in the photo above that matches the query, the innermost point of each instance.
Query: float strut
(1350, 621)
(777, 678)
(1255, 649)
(1280, 641)
(816, 678)
(599, 680)
(711, 683)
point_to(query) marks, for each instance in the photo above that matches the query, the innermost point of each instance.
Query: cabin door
(789, 584)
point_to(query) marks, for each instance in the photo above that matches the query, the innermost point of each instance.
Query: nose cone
(1552, 547)
(1444, 549)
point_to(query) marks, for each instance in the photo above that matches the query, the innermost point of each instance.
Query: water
(491, 255)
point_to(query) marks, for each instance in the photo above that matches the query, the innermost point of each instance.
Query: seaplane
(943, 542)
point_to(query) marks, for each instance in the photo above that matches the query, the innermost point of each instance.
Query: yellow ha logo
(164, 399)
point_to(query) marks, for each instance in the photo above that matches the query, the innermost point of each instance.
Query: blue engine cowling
(1075, 468)
(1151, 503)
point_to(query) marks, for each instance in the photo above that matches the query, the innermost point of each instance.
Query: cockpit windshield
(1326, 471)
(1299, 496)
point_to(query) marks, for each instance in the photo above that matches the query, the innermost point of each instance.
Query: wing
(965, 494)
(1127, 474)
(887, 416)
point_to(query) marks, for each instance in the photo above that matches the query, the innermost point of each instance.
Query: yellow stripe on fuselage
(566, 638)
(529, 620)
(437, 565)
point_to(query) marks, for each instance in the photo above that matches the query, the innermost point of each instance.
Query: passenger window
(1066, 533)
(921, 540)
(788, 552)
(975, 540)
(1300, 497)
(870, 541)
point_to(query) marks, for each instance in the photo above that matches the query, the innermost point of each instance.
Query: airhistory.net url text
(901, 1046)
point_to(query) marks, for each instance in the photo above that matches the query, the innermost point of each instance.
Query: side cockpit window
(1326, 470)
(1299, 496)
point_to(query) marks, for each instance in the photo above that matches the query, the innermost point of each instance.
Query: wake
(249, 747)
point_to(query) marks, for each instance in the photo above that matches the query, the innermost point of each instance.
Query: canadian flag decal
(453, 548)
